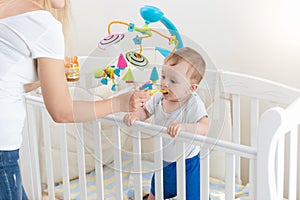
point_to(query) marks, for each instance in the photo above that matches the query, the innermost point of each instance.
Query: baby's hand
(173, 129)
(129, 119)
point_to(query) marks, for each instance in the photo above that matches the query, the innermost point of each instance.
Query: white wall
(257, 37)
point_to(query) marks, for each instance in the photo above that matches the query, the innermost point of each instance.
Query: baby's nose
(164, 84)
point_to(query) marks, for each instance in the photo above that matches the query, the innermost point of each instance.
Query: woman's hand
(31, 86)
(138, 100)
(132, 101)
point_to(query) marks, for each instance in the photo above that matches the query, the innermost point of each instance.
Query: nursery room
(250, 91)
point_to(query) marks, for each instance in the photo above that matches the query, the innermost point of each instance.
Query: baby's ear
(194, 87)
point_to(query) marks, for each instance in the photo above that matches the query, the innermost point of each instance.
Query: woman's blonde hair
(63, 14)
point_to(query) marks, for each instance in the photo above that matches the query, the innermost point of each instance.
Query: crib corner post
(268, 135)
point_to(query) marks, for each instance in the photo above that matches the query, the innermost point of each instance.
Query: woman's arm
(59, 103)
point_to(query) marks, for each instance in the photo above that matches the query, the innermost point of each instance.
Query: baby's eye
(173, 81)
(163, 76)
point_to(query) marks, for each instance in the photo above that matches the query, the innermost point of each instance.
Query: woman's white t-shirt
(190, 112)
(23, 38)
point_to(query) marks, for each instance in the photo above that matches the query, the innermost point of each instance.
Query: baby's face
(175, 80)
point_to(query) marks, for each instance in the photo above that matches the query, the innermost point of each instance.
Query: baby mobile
(150, 14)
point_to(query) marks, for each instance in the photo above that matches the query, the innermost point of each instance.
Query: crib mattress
(217, 187)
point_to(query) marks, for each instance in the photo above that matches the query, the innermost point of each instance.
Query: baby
(178, 109)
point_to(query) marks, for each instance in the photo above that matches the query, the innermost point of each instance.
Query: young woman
(32, 48)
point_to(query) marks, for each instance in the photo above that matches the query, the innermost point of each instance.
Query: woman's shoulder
(37, 15)
(20, 9)
(31, 25)
(37, 20)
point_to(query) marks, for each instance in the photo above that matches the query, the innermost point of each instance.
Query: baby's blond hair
(189, 55)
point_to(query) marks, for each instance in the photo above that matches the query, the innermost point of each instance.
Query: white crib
(270, 129)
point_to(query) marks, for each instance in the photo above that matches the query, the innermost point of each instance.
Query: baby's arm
(141, 115)
(201, 127)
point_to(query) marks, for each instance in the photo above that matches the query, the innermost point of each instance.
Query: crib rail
(224, 146)
(232, 86)
(232, 150)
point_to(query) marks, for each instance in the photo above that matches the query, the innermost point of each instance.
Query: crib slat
(180, 169)
(28, 165)
(81, 160)
(293, 164)
(33, 140)
(118, 162)
(137, 165)
(254, 119)
(204, 174)
(64, 161)
(252, 179)
(48, 154)
(280, 167)
(158, 163)
(236, 129)
(230, 177)
(98, 160)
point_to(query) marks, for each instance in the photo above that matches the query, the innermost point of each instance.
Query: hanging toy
(154, 75)
(149, 86)
(146, 86)
(109, 72)
(128, 76)
(110, 40)
(122, 64)
(151, 15)
(136, 59)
